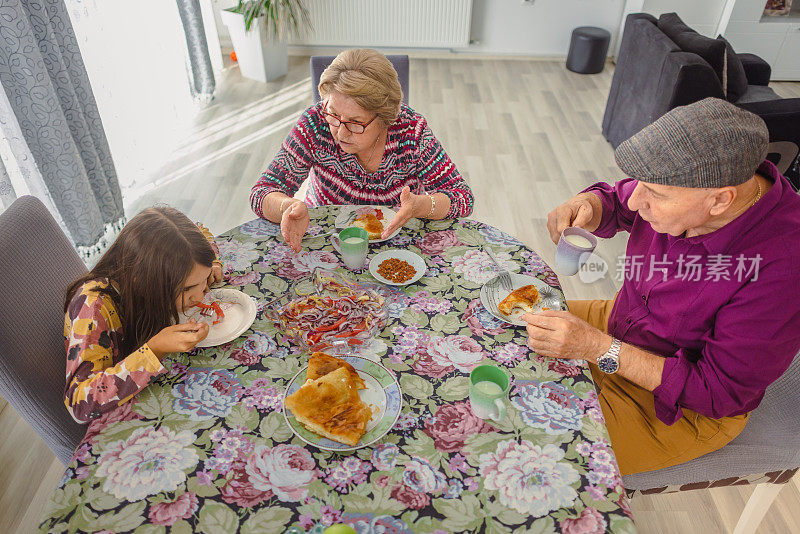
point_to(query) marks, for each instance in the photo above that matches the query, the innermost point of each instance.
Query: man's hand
(583, 210)
(411, 205)
(559, 334)
(294, 223)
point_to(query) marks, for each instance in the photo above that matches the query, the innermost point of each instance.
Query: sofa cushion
(711, 50)
(737, 78)
(758, 93)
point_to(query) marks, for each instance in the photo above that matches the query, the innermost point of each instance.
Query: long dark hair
(149, 262)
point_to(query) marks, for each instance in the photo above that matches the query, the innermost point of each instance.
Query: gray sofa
(653, 74)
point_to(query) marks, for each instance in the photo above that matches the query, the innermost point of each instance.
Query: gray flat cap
(710, 143)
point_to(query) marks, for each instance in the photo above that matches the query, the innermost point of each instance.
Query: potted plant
(259, 29)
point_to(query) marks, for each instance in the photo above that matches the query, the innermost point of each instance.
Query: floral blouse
(99, 378)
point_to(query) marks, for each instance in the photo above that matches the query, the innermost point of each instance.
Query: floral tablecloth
(206, 447)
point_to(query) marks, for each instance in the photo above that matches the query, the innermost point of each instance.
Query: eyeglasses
(352, 127)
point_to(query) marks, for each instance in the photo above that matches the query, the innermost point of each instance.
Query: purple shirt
(723, 308)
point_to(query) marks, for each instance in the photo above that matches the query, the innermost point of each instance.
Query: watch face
(608, 365)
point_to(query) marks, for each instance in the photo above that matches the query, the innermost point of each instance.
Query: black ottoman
(588, 49)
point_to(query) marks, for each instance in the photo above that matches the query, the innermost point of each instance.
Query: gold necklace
(758, 196)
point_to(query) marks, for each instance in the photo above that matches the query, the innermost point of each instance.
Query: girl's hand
(294, 223)
(178, 338)
(216, 274)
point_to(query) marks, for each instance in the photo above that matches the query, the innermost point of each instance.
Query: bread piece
(320, 364)
(523, 298)
(330, 407)
(370, 223)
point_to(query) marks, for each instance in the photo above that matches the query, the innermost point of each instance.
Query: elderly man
(709, 311)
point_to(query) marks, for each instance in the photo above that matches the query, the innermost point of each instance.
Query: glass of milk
(352, 243)
(574, 248)
(488, 390)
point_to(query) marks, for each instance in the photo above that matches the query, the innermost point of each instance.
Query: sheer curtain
(53, 145)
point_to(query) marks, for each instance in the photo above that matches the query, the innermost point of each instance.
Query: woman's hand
(294, 223)
(559, 334)
(411, 205)
(216, 274)
(178, 338)
(583, 210)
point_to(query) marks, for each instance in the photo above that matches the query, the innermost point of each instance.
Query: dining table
(206, 447)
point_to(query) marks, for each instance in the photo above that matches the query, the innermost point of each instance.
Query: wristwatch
(609, 362)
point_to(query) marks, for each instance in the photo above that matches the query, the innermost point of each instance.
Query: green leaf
(284, 369)
(437, 284)
(217, 518)
(454, 252)
(471, 237)
(181, 527)
(495, 527)
(82, 520)
(593, 430)
(545, 525)
(240, 415)
(100, 500)
(272, 284)
(621, 525)
(606, 506)
(150, 529)
(192, 484)
(504, 513)
(267, 521)
(422, 446)
(448, 323)
(153, 403)
(64, 500)
(127, 518)
(416, 386)
(481, 444)
(414, 317)
(454, 388)
(274, 427)
(460, 514)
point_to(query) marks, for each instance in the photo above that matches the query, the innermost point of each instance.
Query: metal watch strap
(609, 362)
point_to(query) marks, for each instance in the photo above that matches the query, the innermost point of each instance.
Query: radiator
(388, 23)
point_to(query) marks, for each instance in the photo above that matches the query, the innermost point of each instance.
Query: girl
(119, 318)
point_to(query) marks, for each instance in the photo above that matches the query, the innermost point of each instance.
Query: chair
(38, 262)
(320, 63)
(767, 453)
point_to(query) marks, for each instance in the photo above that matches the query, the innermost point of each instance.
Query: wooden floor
(525, 134)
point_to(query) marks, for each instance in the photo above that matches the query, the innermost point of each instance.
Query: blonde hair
(368, 77)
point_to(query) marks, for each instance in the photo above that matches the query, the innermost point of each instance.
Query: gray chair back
(769, 443)
(320, 63)
(37, 263)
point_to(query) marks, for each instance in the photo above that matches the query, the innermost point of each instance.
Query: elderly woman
(360, 145)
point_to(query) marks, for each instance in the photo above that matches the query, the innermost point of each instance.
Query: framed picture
(777, 8)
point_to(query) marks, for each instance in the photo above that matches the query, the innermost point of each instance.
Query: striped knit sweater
(412, 157)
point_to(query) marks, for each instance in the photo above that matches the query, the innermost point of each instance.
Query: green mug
(488, 389)
(353, 244)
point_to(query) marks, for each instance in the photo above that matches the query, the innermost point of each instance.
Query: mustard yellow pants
(640, 440)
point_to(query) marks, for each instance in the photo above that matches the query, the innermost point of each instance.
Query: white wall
(540, 28)
(135, 55)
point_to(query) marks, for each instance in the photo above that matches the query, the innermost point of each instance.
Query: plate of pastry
(342, 403)
(528, 295)
(228, 312)
(373, 219)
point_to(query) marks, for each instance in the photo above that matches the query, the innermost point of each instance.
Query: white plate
(382, 392)
(240, 312)
(415, 260)
(492, 294)
(347, 215)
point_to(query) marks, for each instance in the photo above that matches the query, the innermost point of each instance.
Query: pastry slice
(330, 407)
(320, 364)
(370, 223)
(524, 298)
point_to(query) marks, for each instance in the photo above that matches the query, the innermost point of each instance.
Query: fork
(505, 276)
